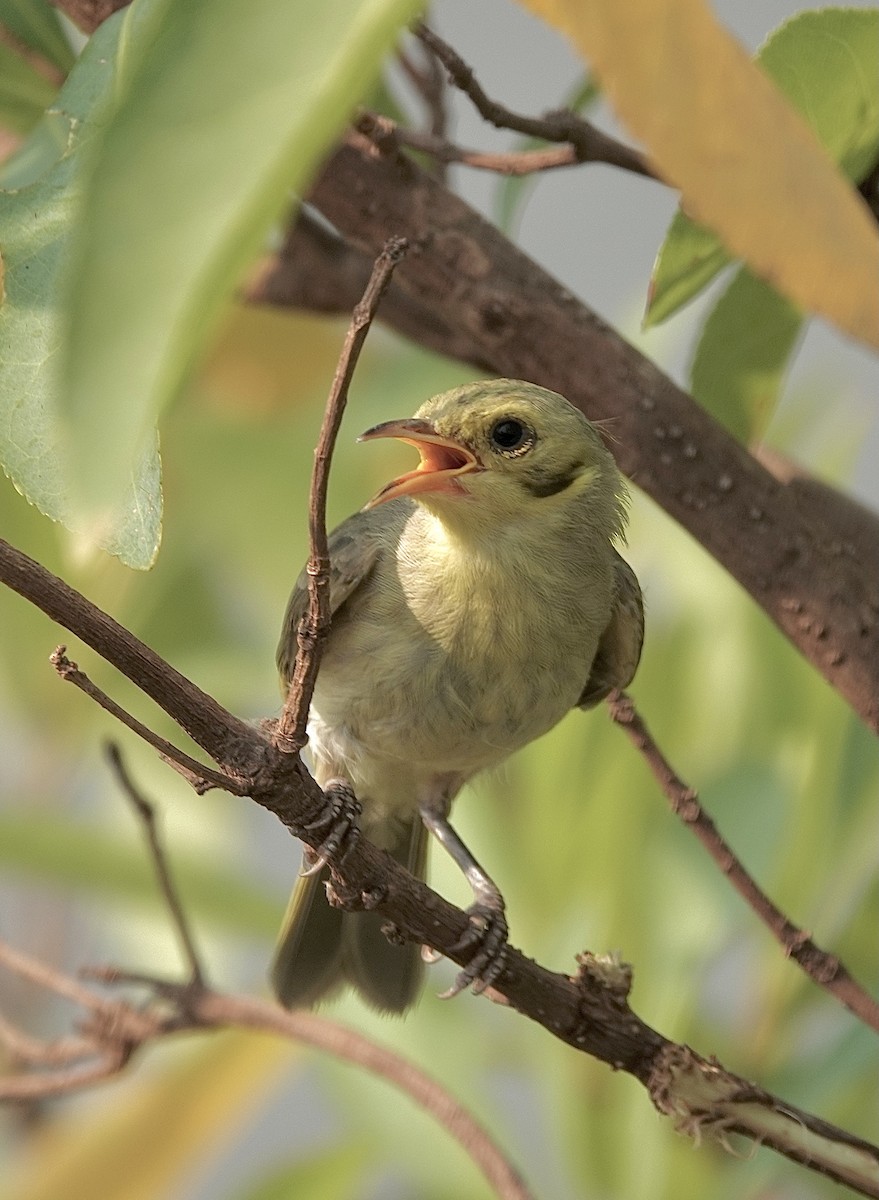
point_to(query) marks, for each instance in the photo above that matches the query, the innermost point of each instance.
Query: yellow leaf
(148, 1130)
(746, 164)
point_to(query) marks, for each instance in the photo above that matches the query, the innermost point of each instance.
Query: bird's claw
(339, 818)
(487, 936)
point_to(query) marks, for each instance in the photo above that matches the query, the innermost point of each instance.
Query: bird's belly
(408, 710)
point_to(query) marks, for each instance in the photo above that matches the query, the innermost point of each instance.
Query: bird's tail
(320, 947)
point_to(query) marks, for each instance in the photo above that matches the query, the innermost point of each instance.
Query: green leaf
(742, 354)
(35, 23)
(24, 92)
(825, 64)
(688, 259)
(223, 108)
(512, 190)
(73, 854)
(37, 211)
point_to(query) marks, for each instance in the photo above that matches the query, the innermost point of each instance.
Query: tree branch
(489, 304)
(822, 968)
(200, 776)
(589, 1012)
(702, 1098)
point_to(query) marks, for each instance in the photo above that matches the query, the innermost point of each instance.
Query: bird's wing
(355, 547)
(619, 648)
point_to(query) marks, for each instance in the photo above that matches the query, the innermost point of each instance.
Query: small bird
(475, 600)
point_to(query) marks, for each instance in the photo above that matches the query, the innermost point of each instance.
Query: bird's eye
(511, 437)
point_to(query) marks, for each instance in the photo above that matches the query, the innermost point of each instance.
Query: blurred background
(785, 769)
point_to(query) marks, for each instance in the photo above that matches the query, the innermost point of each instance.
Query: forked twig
(589, 143)
(117, 1029)
(824, 969)
(290, 735)
(198, 774)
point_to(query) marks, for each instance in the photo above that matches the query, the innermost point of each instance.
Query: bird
(475, 601)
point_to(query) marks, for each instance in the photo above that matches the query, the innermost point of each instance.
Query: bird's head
(502, 450)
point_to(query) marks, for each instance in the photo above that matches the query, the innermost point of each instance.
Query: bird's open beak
(443, 460)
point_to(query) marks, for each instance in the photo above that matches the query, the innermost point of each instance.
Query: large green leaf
(221, 109)
(825, 64)
(742, 354)
(37, 211)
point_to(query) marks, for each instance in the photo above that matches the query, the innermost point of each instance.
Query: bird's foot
(487, 936)
(339, 819)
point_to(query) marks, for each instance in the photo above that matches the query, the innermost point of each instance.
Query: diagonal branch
(702, 1097)
(389, 134)
(824, 969)
(488, 303)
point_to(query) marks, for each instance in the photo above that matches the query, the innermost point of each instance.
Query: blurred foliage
(573, 829)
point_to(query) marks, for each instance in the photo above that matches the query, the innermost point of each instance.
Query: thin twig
(195, 772)
(824, 969)
(210, 726)
(247, 1012)
(290, 735)
(146, 814)
(520, 162)
(590, 144)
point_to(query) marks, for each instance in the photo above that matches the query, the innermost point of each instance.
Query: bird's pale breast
(452, 656)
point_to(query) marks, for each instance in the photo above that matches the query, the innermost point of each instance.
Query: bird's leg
(488, 923)
(339, 818)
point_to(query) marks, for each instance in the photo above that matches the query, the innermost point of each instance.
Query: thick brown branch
(824, 969)
(491, 305)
